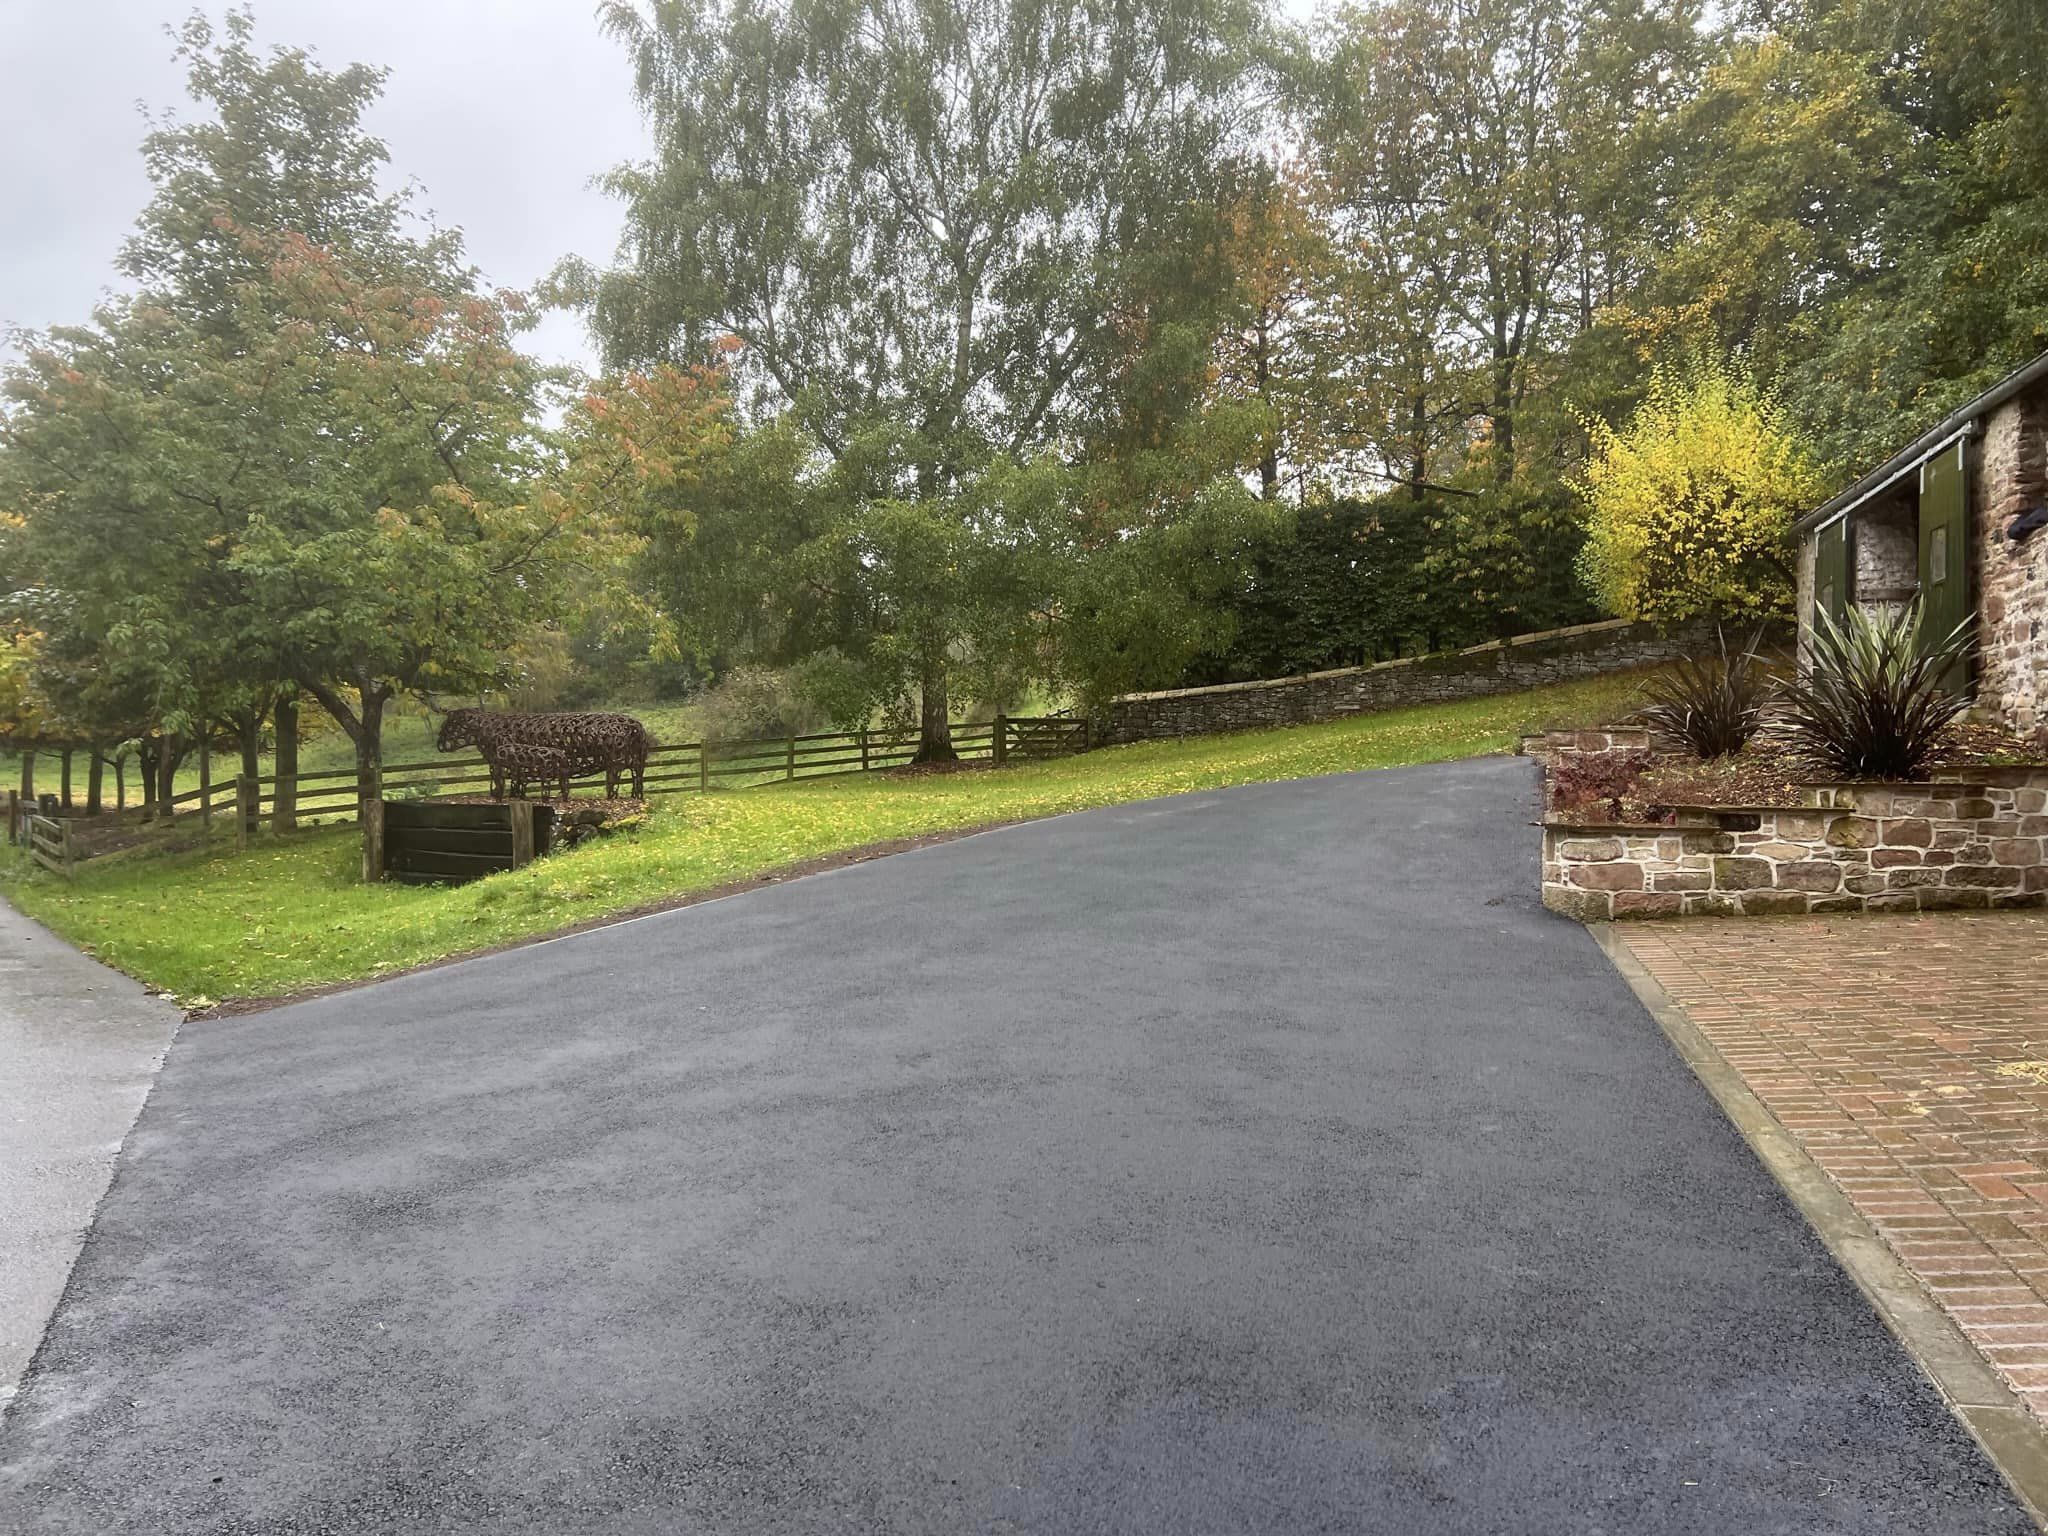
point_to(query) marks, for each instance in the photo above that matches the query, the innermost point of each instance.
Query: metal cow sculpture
(523, 748)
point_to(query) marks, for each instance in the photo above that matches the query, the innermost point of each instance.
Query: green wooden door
(1831, 571)
(1944, 551)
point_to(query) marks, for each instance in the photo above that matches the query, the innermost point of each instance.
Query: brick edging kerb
(2015, 1440)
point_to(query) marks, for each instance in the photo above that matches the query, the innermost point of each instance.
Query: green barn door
(1831, 571)
(1944, 562)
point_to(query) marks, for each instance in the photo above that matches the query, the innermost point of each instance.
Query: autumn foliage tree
(309, 457)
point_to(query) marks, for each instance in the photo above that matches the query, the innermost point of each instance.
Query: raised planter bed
(1975, 842)
(422, 842)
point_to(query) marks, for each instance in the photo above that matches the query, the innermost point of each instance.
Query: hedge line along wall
(1499, 666)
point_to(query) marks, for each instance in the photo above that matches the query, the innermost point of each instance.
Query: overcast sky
(502, 111)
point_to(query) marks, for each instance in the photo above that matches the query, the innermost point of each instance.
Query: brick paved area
(1909, 1056)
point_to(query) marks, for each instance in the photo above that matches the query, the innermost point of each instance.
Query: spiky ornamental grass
(1712, 706)
(1873, 703)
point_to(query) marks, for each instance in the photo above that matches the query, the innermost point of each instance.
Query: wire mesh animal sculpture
(526, 745)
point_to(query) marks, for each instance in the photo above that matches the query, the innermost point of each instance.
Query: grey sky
(501, 110)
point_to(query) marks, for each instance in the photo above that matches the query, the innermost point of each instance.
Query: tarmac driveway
(1264, 1160)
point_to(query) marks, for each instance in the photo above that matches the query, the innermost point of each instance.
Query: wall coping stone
(1255, 684)
(1631, 828)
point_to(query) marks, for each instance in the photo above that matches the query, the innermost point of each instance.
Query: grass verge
(290, 915)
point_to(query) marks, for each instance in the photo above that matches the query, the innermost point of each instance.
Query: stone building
(1959, 519)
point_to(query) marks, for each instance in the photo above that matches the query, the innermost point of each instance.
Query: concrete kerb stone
(2015, 1440)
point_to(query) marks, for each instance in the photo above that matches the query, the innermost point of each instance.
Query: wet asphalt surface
(1256, 1161)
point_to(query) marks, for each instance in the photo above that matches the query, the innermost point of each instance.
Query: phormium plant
(1713, 705)
(1872, 702)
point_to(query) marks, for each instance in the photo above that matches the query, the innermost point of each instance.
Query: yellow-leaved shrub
(1689, 507)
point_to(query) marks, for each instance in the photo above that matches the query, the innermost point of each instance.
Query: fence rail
(692, 767)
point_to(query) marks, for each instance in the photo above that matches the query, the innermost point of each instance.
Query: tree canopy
(959, 351)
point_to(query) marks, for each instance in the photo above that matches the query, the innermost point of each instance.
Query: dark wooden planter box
(421, 843)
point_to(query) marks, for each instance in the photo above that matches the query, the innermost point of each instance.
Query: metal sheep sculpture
(523, 748)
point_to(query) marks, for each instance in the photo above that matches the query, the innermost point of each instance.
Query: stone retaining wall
(1852, 847)
(1500, 666)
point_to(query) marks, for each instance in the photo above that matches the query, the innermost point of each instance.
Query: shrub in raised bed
(1872, 703)
(1713, 705)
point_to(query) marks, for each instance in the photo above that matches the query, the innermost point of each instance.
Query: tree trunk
(95, 780)
(249, 737)
(365, 727)
(1503, 420)
(28, 777)
(370, 782)
(120, 785)
(284, 804)
(1418, 446)
(145, 774)
(167, 774)
(935, 731)
(1269, 459)
(64, 778)
(370, 748)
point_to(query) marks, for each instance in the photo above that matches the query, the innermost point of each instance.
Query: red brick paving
(1909, 1056)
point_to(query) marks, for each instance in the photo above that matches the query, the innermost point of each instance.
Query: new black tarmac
(1263, 1160)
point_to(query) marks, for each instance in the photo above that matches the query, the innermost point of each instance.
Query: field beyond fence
(692, 767)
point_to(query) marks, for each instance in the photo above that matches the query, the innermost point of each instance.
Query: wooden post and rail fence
(694, 767)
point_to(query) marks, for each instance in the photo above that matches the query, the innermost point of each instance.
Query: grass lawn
(291, 914)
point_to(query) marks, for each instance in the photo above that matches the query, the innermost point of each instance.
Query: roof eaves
(1925, 446)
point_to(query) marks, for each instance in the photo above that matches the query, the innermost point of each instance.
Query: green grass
(291, 914)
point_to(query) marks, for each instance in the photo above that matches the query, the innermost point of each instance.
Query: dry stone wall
(1500, 666)
(1853, 847)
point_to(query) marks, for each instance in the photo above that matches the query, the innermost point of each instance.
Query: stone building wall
(1886, 536)
(2011, 580)
(1854, 847)
(1500, 666)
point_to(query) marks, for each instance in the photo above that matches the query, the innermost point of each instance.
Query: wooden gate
(49, 844)
(1944, 551)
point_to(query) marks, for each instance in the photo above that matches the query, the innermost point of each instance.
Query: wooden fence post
(789, 761)
(284, 768)
(703, 766)
(70, 851)
(205, 780)
(373, 841)
(522, 832)
(13, 813)
(863, 749)
(1000, 752)
(248, 797)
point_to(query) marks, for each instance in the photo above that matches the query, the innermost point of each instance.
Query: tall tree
(1466, 149)
(913, 218)
(309, 453)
